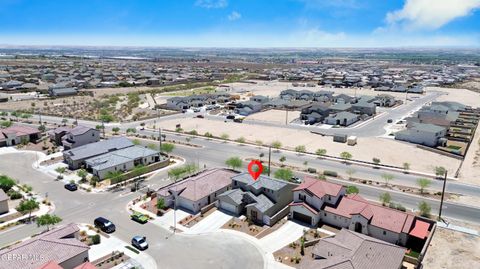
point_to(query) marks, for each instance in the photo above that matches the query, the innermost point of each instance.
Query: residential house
(423, 134)
(59, 92)
(263, 200)
(348, 249)
(17, 134)
(314, 113)
(3, 202)
(60, 245)
(342, 119)
(79, 136)
(198, 191)
(363, 107)
(385, 100)
(247, 108)
(390, 225)
(76, 157)
(259, 99)
(311, 196)
(122, 160)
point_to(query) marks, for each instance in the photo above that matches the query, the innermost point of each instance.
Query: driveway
(289, 232)
(211, 223)
(166, 221)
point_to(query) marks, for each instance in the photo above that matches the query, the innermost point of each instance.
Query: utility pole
(269, 158)
(443, 193)
(160, 138)
(103, 129)
(286, 116)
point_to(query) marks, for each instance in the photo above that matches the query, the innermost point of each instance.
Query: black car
(71, 186)
(230, 117)
(104, 225)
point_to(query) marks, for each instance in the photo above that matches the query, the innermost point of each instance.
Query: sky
(241, 23)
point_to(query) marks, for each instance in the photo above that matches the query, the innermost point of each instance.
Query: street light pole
(160, 138)
(269, 158)
(443, 193)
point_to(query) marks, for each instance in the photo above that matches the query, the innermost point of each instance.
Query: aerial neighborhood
(147, 162)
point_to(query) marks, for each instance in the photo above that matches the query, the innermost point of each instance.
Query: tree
(276, 145)
(385, 198)
(167, 148)
(424, 209)
(114, 176)
(376, 161)
(99, 127)
(47, 220)
(352, 190)
(234, 162)
(440, 170)
(300, 149)
(131, 130)
(346, 155)
(282, 159)
(28, 206)
(160, 204)
(152, 146)
(139, 170)
(387, 178)
(350, 172)
(64, 121)
(115, 130)
(423, 183)
(82, 173)
(42, 128)
(6, 123)
(60, 170)
(283, 174)
(321, 152)
(6, 183)
(136, 142)
(406, 166)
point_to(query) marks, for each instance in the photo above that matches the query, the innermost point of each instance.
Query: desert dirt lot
(387, 150)
(276, 116)
(470, 170)
(453, 250)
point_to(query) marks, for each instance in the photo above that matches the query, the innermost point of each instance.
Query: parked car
(140, 242)
(104, 225)
(200, 116)
(71, 186)
(238, 120)
(296, 179)
(139, 217)
(389, 121)
(230, 117)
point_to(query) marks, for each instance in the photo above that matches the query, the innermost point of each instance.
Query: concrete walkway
(211, 223)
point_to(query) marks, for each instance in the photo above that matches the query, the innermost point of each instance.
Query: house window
(302, 197)
(235, 183)
(334, 217)
(325, 214)
(384, 233)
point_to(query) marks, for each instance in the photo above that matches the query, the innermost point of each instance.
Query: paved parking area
(289, 232)
(211, 223)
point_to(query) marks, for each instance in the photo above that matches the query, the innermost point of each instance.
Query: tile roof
(420, 229)
(20, 130)
(319, 187)
(201, 185)
(101, 147)
(50, 265)
(86, 265)
(118, 157)
(3, 195)
(379, 216)
(261, 182)
(306, 206)
(53, 245)
(353, 250)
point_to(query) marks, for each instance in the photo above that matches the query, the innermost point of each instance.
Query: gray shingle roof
(118, 157)
(261, 182)
(101, 147)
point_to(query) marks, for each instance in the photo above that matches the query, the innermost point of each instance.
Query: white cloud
(212, 3)
(431, 14)
(234, 16)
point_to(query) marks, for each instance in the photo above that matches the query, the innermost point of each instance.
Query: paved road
(179, 251)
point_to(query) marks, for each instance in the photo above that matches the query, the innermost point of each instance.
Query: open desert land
(453, 250)
(470, 170)
(462, 96)
(387, 150)
(275, 116)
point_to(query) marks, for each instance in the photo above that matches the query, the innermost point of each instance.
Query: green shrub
(132, 249)
(14, 194)
(330, 173)
(95, 239)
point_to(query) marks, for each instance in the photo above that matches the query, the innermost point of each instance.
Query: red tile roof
(86, 265)
(21, 130)
(306, 206)
(420, 229)
(50, 265)
(319, 187)
(379, 216)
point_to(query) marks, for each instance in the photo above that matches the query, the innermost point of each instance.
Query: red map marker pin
(255, 173)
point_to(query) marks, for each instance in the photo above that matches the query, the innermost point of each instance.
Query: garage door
(228, 207)
(303, 218)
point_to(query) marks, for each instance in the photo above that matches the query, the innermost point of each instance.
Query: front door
(358, 227)
(254, 216)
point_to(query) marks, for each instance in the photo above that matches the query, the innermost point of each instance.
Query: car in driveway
(71, 186)
(104, 224)
(140, 242)
(139, 217)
